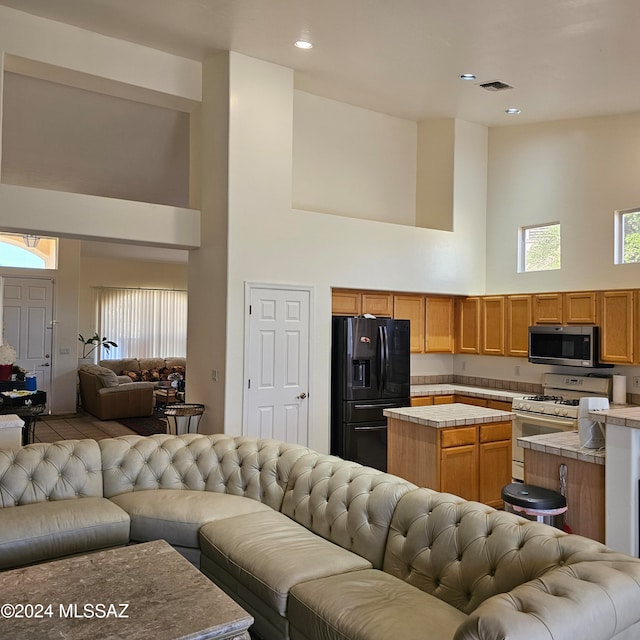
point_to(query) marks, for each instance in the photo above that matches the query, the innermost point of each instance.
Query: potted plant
(8, 356)
(89, 345)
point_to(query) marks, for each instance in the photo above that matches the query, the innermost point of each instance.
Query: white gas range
(556, 409)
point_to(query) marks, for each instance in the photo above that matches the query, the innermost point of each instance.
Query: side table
(183, 418)
(28, 407)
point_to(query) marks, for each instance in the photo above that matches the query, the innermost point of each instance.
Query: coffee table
(162, 595)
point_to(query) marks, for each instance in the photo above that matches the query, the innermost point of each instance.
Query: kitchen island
(585, 477)
(455, 448)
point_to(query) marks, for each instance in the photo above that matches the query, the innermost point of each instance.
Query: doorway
(277, 371)
(28, 325)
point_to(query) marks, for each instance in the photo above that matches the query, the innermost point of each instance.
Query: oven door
(528, 424)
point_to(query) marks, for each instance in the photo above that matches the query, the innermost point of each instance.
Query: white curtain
(145, 323)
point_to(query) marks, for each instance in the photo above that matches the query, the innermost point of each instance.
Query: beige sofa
(315, 547)
(110, 397)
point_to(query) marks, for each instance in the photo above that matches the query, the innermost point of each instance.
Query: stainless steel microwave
(573, 346)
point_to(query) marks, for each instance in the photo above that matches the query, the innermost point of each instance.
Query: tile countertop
(449, 415)
(563, 443)
(475, 392)
(627, 416)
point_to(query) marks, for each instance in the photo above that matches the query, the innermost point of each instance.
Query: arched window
(14, 252)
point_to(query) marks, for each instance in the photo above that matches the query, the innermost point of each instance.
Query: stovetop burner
(571, 402)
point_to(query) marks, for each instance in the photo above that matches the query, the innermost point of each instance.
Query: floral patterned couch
(154, 370)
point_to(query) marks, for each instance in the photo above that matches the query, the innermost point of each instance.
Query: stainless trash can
(534, 503)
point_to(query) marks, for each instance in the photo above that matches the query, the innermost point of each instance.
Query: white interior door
(277, 363)
(28, 326)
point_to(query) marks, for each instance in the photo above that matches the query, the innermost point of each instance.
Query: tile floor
(78, 426)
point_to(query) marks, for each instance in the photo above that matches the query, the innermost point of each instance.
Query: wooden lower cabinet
(425, 401)
(473, 462)
(477, 402)
(501, 405)
(421, 401)
(585, 489)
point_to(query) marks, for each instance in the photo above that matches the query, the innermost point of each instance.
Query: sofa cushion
(268, 553)
(150, 363)
(118, 365)
(36, 532)
(344, 502)
(249, 467)
(44, 472)
(177, 515)
(357, 605)
(107, 377)
(465, 552)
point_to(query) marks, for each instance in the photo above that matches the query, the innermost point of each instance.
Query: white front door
(28, 325)
(277, 363)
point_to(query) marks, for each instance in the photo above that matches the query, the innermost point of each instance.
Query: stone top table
(565, 444)
(449, 415)
(137, 592)
(624, 416)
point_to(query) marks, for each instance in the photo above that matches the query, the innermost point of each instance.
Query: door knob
(302, 396)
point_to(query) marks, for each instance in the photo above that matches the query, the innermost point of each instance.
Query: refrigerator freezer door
(367, 444)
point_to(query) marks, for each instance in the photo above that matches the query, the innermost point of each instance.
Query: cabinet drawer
(495, 432)
(421, 401)
(442, 399)
(457, 437)
(477, 402)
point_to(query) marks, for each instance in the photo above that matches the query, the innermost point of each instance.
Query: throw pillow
(150, 375)
(134, 375)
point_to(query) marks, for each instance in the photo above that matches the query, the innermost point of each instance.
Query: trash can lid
(531, 497)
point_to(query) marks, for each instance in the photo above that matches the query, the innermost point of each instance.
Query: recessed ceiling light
(512, 112)
(467, 76)
(303, 44)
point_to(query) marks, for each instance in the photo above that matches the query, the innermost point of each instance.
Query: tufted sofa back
(465, 552)
(344, 502)
(42, 472)
(257, 469)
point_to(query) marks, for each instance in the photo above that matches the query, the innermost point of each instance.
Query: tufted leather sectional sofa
(316, 547)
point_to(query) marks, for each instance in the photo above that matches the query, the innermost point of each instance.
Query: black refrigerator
(370, 372)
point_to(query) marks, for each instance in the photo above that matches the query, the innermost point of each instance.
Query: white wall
(577, 172)
(352, 162)
(273, 243)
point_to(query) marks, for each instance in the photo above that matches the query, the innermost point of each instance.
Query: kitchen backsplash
(490, 383)
(473, 381)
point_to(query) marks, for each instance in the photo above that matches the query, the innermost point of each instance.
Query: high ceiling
(564, 58)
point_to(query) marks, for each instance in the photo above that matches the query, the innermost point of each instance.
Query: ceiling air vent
(496, 85)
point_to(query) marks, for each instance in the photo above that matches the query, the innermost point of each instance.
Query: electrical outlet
(214, 375)
(517, 369)
(464, 365)
(636, 382)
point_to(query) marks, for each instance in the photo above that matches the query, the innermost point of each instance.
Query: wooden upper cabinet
(518, 311)
(439, 325)
(411, 307)
(616, 326)
(377, 304)
(468, 325)
(346, 303)
(580, 307)
(547, 308)
(492, 323)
